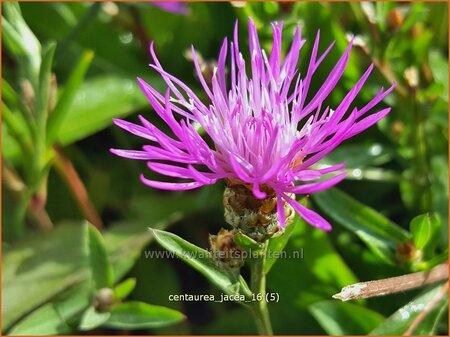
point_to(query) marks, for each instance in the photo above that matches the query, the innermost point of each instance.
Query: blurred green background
(397, 170)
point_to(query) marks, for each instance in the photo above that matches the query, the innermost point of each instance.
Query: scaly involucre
(265, 133)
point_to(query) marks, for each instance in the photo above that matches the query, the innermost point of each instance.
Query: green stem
(20, 212)
(258, 285)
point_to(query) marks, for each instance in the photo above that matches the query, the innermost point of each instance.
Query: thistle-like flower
(260, 131)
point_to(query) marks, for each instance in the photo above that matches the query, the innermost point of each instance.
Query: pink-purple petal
(318, 186)
(162, 185)
(308, 215)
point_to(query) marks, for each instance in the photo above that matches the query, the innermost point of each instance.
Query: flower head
(265, 134)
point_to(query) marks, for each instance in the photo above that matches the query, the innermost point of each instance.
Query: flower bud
(411, 75)
(27, 95)
(225, 251)
(417, 31)
(104, 299)
(406, 252)
(397, 129)
(395, 19)
(256, 218)
(52, 93)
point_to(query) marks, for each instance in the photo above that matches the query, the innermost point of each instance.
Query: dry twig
(393, 285)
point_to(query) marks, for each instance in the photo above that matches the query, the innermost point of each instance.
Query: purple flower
(265, 133)
(176, 7)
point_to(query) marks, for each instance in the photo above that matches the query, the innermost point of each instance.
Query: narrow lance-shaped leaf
(21, 41)
(124, 288)
(67, 97)
(139, 315)
(379, 233)
(199, 259)
(16, 126)
(44, 84)
(12, 39)
(9, 94)
(92, 319)
(420, 230)
(13, 99)
(101, 268)
(276, 245)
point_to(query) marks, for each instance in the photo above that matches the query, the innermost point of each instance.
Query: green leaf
(9, 94)
(56, 318)
(401, 320)
(439, 187)
(199, 259)
(429, 326)
(16, 127)
(439, 68)
(432, 262)
(277, 244)
(67, 97)
(95, 104)
(92, 319)
(360, 155)
(46, 264)
(101, 268)
(124, 288)
(246, 242)
(11, 150)
(423, 229)
(44, 82)
(12, 39)
(338, 318)
(126, 240)
(21, 41)
(379, 233)
(24, 123)
(124, 243)
(38, 268)
(44, 321)
(139, 315)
